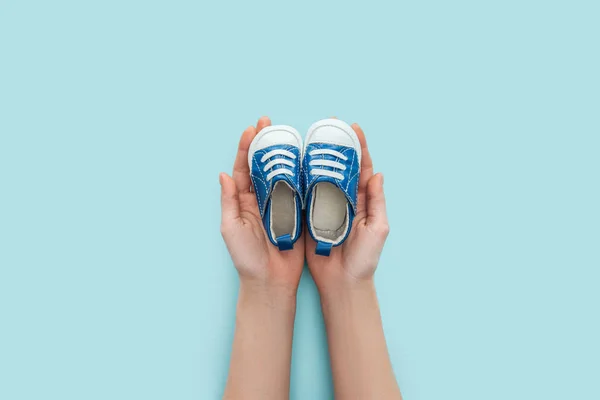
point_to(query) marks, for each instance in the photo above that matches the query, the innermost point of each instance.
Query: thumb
(230, 203)
(376, 211)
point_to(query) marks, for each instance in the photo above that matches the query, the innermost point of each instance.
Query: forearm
(262, 345)
(359, 358)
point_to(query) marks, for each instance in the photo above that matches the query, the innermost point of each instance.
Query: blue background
(117, 116)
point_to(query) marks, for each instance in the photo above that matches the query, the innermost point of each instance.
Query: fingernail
(221, 178)
(381, 178)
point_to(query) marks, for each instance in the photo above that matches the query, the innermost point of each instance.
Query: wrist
(334, 281)
(256, 294)
(350, 305)
(344, 291)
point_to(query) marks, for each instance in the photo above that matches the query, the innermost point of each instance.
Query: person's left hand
(258, 261)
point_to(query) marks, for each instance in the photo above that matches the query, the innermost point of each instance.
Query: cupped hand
(257, 260)
(357, 258)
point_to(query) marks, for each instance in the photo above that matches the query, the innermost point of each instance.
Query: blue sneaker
(331, 172)
(274, 158)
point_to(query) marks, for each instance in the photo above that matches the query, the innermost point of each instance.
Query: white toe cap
(276, 135)
(332, 131)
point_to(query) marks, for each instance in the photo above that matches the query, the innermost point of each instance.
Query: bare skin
(360, 363)
(262, 346)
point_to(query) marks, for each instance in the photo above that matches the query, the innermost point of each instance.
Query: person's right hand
(356, 259)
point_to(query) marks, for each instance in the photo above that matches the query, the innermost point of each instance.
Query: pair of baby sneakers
(320, 175)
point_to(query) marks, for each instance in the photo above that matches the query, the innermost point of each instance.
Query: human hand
(259, 263)
(356, 259)
(360, 363)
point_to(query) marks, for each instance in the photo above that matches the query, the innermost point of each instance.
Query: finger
(366, 163)
(241, 170)
(309, 243)
(262, 123)
(230, 203)
(376, 210)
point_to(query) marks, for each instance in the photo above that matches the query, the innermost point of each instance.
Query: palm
(348, 255)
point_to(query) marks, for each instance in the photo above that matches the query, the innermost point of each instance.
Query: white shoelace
(327, 163)
(278, 161)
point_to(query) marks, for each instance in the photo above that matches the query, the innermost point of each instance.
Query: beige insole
(283, 210)
(329, 211)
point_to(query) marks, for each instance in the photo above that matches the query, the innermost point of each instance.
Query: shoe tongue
(285, 178)
(324, 178)
(280, 178)
(328, 179)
